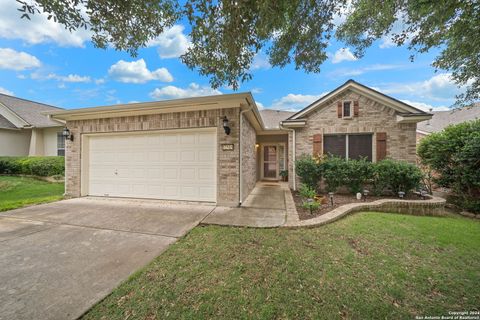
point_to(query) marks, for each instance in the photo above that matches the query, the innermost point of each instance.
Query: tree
(454, 154)
(226, 35)
(451, 25)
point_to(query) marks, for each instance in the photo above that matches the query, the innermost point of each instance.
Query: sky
(41, 61)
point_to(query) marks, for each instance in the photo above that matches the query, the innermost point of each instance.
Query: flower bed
(339, 200)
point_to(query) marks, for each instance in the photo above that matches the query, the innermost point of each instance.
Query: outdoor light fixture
(66, 134)
(423, 194)
(365, 194)
(401, 194)
(330, 195)
(225, 125)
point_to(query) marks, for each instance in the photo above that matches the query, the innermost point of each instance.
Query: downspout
(240, 178)
(293, 154)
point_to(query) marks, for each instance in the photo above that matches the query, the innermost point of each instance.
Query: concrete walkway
(58, 259)
(265, 207)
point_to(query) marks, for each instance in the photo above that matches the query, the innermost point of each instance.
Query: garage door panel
(168, 165)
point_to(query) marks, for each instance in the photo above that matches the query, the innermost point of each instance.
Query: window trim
(347, 135)
(350, 108)
(60, 134)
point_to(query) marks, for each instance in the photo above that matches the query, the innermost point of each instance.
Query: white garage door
(178, 165)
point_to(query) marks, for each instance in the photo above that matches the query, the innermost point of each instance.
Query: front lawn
(366, 266)
(18, 191)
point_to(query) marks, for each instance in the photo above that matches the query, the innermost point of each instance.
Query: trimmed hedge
(35, 166)
(386, 176)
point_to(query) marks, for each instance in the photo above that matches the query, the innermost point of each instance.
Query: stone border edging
(431, 207)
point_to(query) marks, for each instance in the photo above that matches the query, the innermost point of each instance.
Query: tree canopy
(226, 35)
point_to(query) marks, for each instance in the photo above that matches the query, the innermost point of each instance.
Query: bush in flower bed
(386, 175)
(35, 166)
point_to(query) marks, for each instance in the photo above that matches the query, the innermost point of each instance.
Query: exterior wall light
(66, 134)
(225, 125)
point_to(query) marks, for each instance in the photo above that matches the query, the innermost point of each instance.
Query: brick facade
(249, 157)
(227, 161)
(373, 117)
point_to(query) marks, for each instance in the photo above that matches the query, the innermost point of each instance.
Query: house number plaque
(227, 147)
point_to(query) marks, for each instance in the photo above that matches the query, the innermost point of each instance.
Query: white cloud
(5, 91)
(137, 72)
(343, 54)
(425, 106)
(347, 72)
(173, 92)
(99, 81)
(440, 87)
(37, 30)
(53, 76)
(260, 61)
(260, 105)
(172, 43)
(17, 60)
(294, 102)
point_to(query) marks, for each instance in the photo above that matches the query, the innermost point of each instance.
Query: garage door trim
(85, 148)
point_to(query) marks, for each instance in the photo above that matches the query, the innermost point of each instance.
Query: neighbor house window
(347, 109)
(348, 146)
(60, 144)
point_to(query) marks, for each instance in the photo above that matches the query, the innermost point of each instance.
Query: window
(60, 144)
(350, 146)
(347, 109)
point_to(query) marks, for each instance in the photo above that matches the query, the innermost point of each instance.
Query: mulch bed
(338, 200)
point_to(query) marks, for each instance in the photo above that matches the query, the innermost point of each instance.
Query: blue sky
(41, 61)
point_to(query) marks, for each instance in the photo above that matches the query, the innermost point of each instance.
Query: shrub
(307, 192)
(36, 166)
(396, 176)
(454, 155)
(357, 174)
(335, 171)
(309, 171)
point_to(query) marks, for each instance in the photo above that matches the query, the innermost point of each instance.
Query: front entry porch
(264, 207)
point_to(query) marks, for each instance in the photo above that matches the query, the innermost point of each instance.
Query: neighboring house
(26, 131)
(441, 119)
(216, 148)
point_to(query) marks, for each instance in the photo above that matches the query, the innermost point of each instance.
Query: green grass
(16, 192)
(366, 266)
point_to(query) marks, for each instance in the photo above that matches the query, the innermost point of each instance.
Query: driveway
(58, 259)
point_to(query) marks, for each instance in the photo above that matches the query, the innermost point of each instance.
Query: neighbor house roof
(442, 119)
(405, 112)
(271, 118)
(29, 113)
(5, 124)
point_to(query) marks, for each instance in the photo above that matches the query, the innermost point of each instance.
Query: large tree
(226, 35)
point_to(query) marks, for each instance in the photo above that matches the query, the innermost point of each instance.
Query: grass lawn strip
(365, 266)
(16, 192)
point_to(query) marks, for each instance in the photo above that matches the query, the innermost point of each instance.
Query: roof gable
(356, 87)
(28, 113)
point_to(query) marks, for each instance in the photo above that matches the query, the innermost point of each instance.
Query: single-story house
(216, 148)
(26, 131)
(441, 119)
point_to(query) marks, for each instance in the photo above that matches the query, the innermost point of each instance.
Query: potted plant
(284, 175)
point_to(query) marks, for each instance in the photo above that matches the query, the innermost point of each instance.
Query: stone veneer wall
(227, 161)
(373, 117)
(249, 157)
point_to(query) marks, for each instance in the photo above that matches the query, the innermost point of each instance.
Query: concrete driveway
(58, 259)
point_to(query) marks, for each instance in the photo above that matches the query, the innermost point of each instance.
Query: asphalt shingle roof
(29, 111)
(442, 119)
(271, 118)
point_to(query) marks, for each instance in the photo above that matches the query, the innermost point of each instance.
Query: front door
(270, 162)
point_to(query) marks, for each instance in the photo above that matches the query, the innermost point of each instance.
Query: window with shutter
(360, 146)
(347, 109)
(335, 145)
(351, 146)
